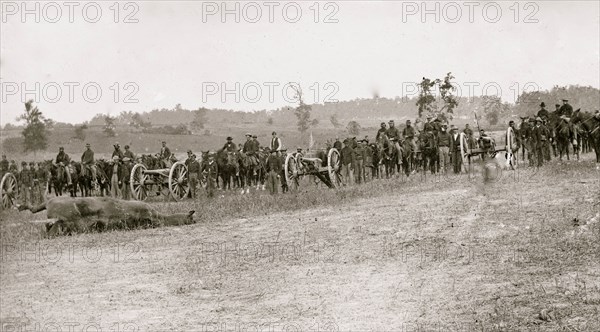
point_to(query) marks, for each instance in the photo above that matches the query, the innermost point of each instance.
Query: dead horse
(81, 214)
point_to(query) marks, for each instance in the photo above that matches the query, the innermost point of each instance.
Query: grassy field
(521, 253)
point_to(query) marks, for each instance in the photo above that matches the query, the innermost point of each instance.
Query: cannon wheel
(9, 190)
(334, 167)
(291, 172)
(178, 181)
(464, 152)
(510, 142)
(137, 181)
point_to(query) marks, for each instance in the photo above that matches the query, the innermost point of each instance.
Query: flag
(311, 142)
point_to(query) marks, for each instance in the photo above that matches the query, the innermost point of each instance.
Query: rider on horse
(63, 160)
(230, 148)
(251, 150)
(87, 160)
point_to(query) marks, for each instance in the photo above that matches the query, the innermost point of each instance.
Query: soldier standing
(348, 160)
(193, 173)
(13, 167)
(210, 168)
(443, 142)
(537, 134)
(125, 177)
(455, 152)
(282, 157)
(26, 182)
(274, 169)
(115, 179)
(368, 160)
(359, 162)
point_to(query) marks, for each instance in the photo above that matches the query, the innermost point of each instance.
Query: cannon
(144, 181)
(491, 151)
(10, 191)
(298, 165)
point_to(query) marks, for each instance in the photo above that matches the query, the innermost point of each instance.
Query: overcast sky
(178, 51)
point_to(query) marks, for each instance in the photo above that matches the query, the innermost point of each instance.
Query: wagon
(10, 191)
(298, 165)
(144, 181)
(467, 153)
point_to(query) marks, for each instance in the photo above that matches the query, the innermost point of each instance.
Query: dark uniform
(566, 110)
(359, 169)
(455, 153)
(26, 182)
(537, 141)
(210, 168)
(3, 166)
(193, 174)
(284, 187)
(63, 160)
(348, 159)
(274, 167)
(337, 145)
(382, 130)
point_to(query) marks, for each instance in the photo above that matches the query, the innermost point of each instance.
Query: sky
(161, 53)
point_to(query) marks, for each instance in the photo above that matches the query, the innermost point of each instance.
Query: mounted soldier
(566, 109)
(251, 150)
(382, 130)
(543, 113)
(128, 153)
(231, 149)
(63, 161)
(88, 163)
(117, 151)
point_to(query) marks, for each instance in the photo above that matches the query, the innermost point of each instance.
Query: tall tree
(302, 112)
(428, 103)
(35, 128)
(109, 126)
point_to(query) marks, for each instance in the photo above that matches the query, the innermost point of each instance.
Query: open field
(419, 254)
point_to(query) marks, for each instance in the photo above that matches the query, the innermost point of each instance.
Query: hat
(254, 136)
(193, 155)
(391, 121)
(87, 144)
(23, 163)
(565, 100)
(61, 148)
(511, 122)
(248, 134)
(164, 142)
(273, 133)
(31, 163)
(542, 104)
(557, 105)
(531, 120)
(115, 158)
(126, 147)
(407, 121)
(453, 127)
(229, 138)
(383, 123)
(189, 151)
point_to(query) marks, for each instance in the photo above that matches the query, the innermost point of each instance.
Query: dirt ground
(518, 254)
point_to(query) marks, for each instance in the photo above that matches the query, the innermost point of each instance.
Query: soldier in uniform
(348, 160)
(469, 132)
(537, 134)
(443, 142)
(164, 155)
(42, 177)
(210, 168)
(337, 144)
(115, 180)
(251, 150)
(230, 148)
(409, 134)
(87, 161)
(284, 187)
(565, 109)
(382, 130)
(125, 177)
(543, 113)
(428, 126)
(455, 152)
(193, 173)
(117, 151)
(273, 169)
(359, 162)
(128, 153)
(13, 167)
(26, 182)
(63, 160)
(368, 160)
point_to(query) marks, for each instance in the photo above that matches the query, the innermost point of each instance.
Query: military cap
(229, 138)
(383, 123)
(254, 136)
(542, 104)
(391, 121)
(283, 150)
(126, 147)
(87, 145)
(511, 122)
(273, 133)
(23, 163)
(31, 163)
(565, 100)
(407, 121)
(248, 134)
(61, 148)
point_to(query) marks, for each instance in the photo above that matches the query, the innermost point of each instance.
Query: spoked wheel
(511, 145)
(291, 172)
(334, 167)
(137, 181)
(9, 190)
(464, 152)
(178, 181)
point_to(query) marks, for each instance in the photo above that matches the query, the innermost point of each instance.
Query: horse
(429, 152)
(389, 155)
(226, 162)
(250, 168)
(564, 134)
